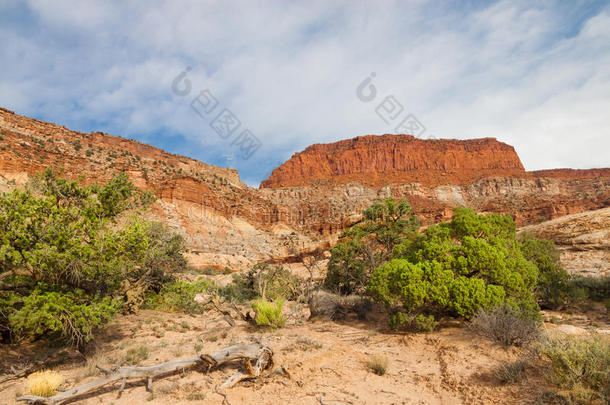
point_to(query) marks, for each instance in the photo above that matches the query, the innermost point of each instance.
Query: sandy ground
(326, 362)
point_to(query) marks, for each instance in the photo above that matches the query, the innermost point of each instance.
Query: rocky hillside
(225, 222)
(311, 198)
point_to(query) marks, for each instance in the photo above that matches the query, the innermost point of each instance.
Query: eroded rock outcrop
(583, 240)
(390, 159)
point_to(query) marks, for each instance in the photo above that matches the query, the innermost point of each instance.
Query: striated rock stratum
(389, 159)
(311, 198)
(583, 240)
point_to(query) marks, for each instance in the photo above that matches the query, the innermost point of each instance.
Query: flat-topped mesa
(378, 160)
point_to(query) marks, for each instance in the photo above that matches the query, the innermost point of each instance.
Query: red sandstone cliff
(387, 159)
(229, 224)
(434, 175)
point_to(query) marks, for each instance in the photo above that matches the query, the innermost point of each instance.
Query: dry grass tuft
(137, 355)
(511, 372)
(44, 383)
(378, 364)
(91, 368)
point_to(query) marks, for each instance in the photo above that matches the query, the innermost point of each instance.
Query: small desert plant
(269, 313)
(304, 344)
(378, 364)
(581, 366)
(506, 325)
(44, 383)
(511, 372)
(137, 355)
(93, 363)
(336, 307)
(195, 396)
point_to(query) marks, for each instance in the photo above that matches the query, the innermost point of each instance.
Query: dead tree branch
(261, 353)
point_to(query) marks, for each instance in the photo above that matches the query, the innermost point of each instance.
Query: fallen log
(247, 352)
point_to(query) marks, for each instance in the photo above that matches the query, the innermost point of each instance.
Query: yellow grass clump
(44, 383)
(378, 364)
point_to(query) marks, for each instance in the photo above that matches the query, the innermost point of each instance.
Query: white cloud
(525, 73)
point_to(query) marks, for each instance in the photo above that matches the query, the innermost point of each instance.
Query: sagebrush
(179, 296)
(265, 281)
(511, 372)
(506, 325)
(579, 365)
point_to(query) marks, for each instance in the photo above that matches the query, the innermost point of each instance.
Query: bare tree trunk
(261, 353)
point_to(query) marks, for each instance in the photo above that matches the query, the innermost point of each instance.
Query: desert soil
(326, 363)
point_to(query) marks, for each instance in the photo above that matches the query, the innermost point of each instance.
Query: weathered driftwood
(258, 352)
(264, 361)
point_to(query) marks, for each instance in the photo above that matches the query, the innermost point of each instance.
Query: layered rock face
(390, 159)
(326, 184)
(225, 223)
(583, 240)
(309, 200)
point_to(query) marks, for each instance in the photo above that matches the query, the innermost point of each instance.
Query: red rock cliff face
(226, 223)
(387, 159)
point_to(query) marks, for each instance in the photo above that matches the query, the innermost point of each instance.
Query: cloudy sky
(533, 74)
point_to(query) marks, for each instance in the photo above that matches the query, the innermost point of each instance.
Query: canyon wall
(321, 184)
(309, 200)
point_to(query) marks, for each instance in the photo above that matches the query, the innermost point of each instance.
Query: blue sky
(533, 74)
